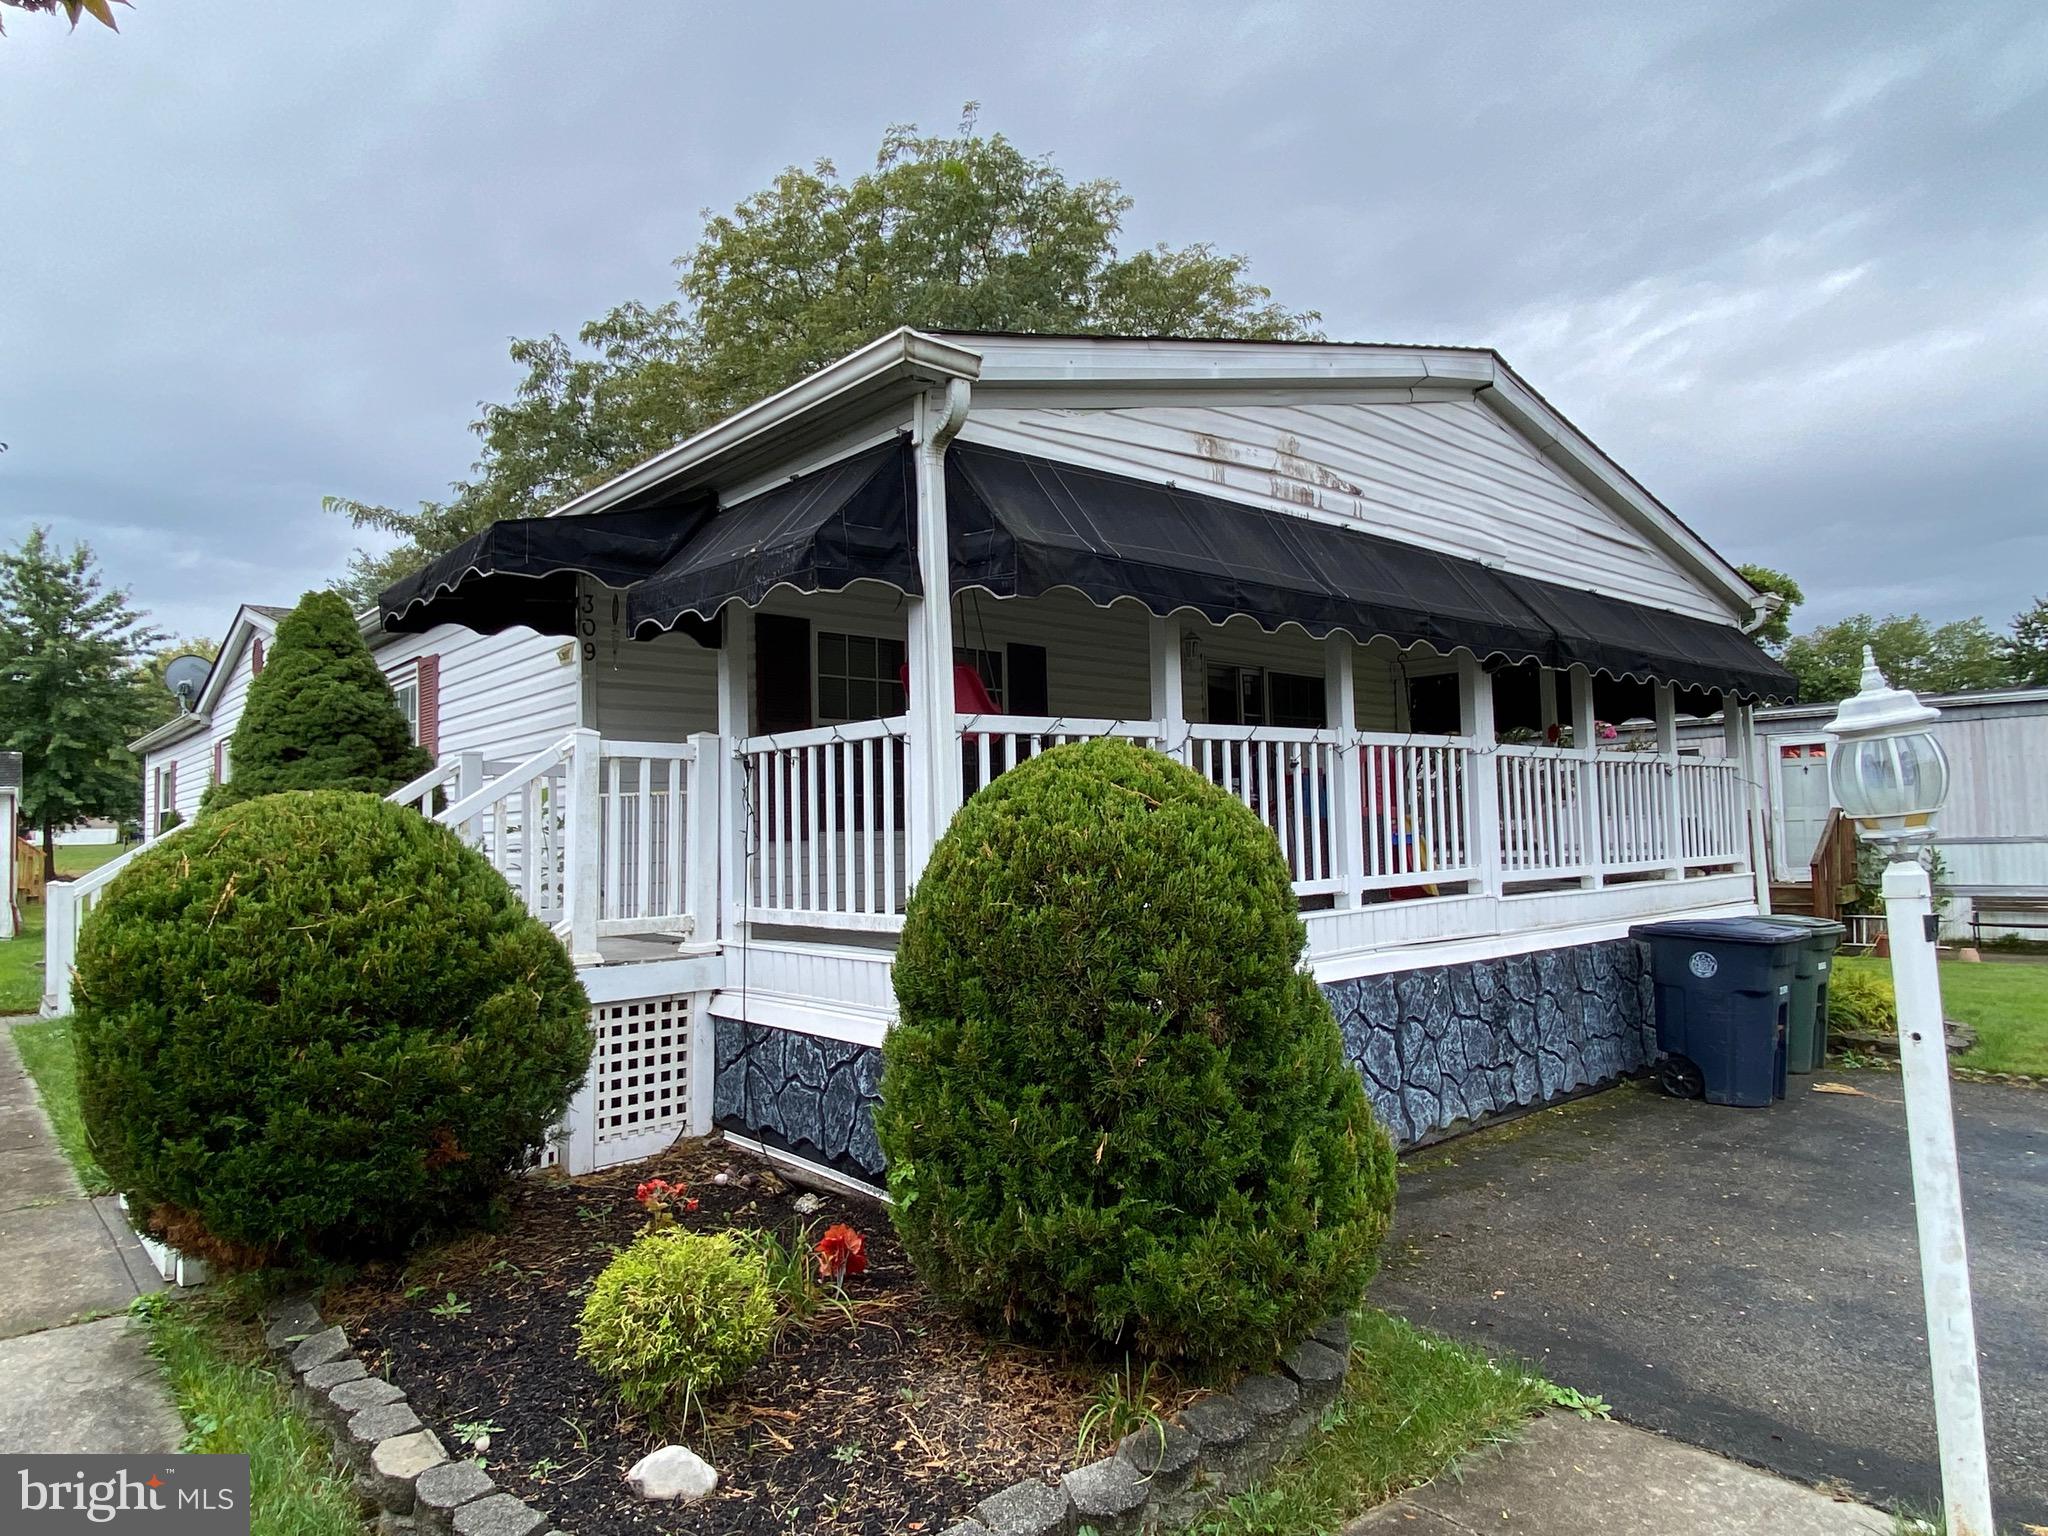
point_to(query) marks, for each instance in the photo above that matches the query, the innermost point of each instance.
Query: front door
(1804, 801)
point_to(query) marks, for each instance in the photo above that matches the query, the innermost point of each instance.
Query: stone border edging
(400, 1465)
(1159, 1479)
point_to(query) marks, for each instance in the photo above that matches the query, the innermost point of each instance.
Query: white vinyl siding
(662, 689)
(1448, 475)
(505, 695)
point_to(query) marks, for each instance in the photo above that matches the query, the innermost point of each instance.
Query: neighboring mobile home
(719, 708)
(1992, 833)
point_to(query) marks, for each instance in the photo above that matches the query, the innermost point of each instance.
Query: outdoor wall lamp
(1890, 777)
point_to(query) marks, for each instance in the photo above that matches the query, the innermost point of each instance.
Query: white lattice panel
(640, 1076)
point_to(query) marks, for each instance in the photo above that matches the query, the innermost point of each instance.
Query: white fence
(1286, 778)
(1416, 796)
(1542, 820)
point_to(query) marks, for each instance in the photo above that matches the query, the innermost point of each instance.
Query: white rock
(673, 1472)
(808, 1205)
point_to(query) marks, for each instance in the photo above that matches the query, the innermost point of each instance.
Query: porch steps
(1791, 898)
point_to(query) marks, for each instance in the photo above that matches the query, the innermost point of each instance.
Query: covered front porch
(757, 802)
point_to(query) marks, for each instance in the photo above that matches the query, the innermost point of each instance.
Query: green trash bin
(1806, 1042)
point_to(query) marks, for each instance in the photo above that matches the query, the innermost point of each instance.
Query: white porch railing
(1286, 778)
(1634, 795)
(1712, 814)
(991, 745)
(824, 815)
(1416, 794)
(1542, 820)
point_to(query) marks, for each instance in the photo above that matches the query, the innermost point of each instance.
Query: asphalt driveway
(1746, 1280)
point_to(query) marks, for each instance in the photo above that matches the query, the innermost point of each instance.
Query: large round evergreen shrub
(319, 715)
(320, 1027)
(1113, 1107)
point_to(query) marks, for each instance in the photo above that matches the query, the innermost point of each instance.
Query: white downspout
(934, 755)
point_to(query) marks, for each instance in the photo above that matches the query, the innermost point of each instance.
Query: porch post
(1736, 751)
(1169, 696)
(1587, 748)
(583, 875)
(729, 780)
(932, 757)
(1475, 720)
(703, 834)
(1755, 764)
(1667, 753)
(1347, 818)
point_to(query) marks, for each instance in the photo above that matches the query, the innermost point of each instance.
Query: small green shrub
(319, 715)
(1114, 1109)
(316, 1026)
(1861, 1002)
(676, 1315)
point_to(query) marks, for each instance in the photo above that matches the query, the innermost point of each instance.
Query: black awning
(823, 531)
(1023, 525)
(522, 571)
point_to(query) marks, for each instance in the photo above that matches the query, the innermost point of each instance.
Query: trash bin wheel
(1680, 1077)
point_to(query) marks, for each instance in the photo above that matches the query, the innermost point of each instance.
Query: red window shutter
(430, 704)
(216, 762)
(255, 655)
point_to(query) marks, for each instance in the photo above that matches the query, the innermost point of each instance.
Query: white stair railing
(65, 905)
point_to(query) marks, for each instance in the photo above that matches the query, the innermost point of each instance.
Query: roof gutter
(904, 355)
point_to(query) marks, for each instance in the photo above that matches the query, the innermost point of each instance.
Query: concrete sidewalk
(1597, 1478)
(77, 1378)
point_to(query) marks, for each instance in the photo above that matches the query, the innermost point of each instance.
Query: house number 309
(586, 625)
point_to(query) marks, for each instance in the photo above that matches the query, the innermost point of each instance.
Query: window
(166, 795)
(860, 677)
(1254, 696)
(223, 760)
(1433, 707)
(408, 695)
(989, 664)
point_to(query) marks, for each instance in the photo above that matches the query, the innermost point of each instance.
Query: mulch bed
(897, 1422)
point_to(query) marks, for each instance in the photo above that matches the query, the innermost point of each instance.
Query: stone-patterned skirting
(1461, 1042)
(1436, 1046)
(401, 1467)
(1161, 1478)
(804, 1094)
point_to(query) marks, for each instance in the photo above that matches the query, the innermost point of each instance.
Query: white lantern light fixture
(1888, 772)
(1890, 777)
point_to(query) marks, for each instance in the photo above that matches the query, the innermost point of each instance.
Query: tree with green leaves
(70, 652)
(1777, 629)
(958, 231)
(2026, 653)
(319, 715)
(1913, 653)
(101, 11)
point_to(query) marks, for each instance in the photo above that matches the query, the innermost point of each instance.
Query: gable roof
(1059, 368)
(250, 620)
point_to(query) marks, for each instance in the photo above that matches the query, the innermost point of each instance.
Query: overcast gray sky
(1787, 263)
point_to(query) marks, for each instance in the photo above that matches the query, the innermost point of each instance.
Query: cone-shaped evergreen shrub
(319, 715)
(1113, 1108)
(320, 1026)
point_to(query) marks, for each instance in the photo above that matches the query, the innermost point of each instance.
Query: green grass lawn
(1414, 1403)
(228, 1392)
(87, 857)
(21, 963)
(2006, 1002)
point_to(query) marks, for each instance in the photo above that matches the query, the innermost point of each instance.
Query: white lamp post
(1890, 778)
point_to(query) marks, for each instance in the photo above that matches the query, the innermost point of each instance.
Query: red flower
(651, 1190)
(690, 1205)
(1552, 734)
(841, 1252)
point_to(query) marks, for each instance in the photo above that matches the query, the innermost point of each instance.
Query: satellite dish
(185, 676)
